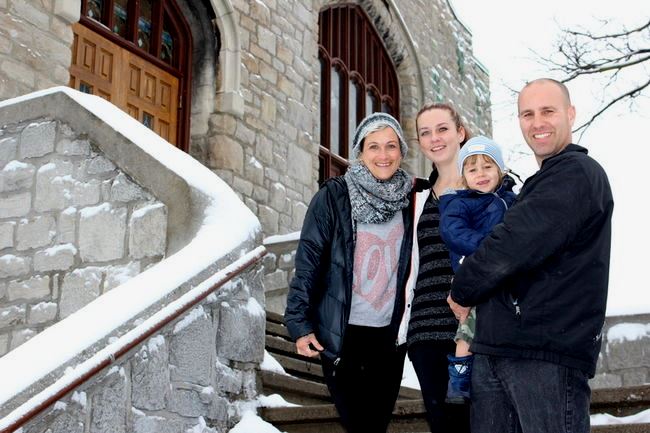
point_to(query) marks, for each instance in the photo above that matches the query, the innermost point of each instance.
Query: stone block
(227, 380)
(19, 73)
(148, 231)
(16, 175)
(67, 223)
(54, 185)
(622, 354)
(606, 380)
(79, 287)
(67, 421)
(7, 234)
(100, 165)
(226, 154)
(301, 164)
(16, 205)
(635, 376)
(56, 258)
(143, 423)
(240, 336)
(4, 344)
(3, 290)
(150, 380)
(14, 266)
(18, 337)
(29, 12)
(186, 402)
(299, 210)
(255, 171)
(34, 288)
(117, 275)
(268, 218)
(14, 315)
(85, 193)
(124, 190)
(67, 146)
(35, 233)
(102, 231)
(192, 348)
(42, 312)
(109, 404)
(8, 150)
(37, 139)
(277, 196)
(275, 280)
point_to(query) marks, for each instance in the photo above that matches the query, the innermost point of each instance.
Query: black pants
(365, 384)
(429, 360)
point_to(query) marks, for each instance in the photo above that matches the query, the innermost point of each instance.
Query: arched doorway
(136, 54)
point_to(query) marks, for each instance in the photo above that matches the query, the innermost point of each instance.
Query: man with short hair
(539, 282)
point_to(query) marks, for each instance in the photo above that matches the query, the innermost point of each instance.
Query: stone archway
(229, 97)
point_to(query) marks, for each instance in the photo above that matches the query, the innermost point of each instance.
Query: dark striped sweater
(431, 317)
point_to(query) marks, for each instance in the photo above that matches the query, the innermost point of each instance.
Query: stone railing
(625, 356)
(72, 227)
(175, 346)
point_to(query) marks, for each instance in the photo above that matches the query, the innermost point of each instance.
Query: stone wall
(279, 269)
(195, 373)
(72, 227)
(625, 356)
(35, 41)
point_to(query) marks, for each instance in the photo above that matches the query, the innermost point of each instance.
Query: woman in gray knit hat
(346, 300)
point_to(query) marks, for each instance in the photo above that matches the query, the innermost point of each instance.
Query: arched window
(357, 78)
(136, 53)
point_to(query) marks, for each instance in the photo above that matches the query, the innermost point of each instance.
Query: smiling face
(481, 173)
(546, 117)
(381, 153)
(439, 136)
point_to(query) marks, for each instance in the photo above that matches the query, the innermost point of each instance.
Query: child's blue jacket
(467, 216)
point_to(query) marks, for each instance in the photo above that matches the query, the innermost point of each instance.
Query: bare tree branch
(619, 58)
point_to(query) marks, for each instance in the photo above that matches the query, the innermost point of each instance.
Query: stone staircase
(317, 414)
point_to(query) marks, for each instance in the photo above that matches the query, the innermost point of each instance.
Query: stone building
(260, 91)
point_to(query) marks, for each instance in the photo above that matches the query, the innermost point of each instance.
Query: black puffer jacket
(539, 280)
(320, 293)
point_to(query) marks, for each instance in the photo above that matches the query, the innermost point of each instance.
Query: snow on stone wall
(72, 226)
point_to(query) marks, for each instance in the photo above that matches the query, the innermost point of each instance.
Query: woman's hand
(303, 345)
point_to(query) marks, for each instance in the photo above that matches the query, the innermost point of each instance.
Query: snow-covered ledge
(209, 228)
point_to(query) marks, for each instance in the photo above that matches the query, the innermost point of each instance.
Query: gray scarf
(376, 201)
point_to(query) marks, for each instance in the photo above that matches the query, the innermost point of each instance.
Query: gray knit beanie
(374, 122)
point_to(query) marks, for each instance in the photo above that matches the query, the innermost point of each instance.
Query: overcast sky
(505, 37)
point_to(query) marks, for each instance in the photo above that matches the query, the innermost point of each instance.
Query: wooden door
(143, 90)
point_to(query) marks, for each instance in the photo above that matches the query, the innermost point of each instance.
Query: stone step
(621, 428)
(295, 390)
(407, 417)
(622, 401)
(305, 386)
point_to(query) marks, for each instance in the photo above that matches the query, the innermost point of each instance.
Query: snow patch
(628, 332)
(269, 363)
(139, 213)
(277, 239)
(250, 422)
(195, 314)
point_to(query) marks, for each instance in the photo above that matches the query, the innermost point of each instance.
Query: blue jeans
(512, 395)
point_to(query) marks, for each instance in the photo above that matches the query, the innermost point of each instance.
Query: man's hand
(459, 311)
(303, 346)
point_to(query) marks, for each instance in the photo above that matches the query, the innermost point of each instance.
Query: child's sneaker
(460, 374)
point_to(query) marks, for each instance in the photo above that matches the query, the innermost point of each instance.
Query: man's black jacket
(539, 280)
(320, 292)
